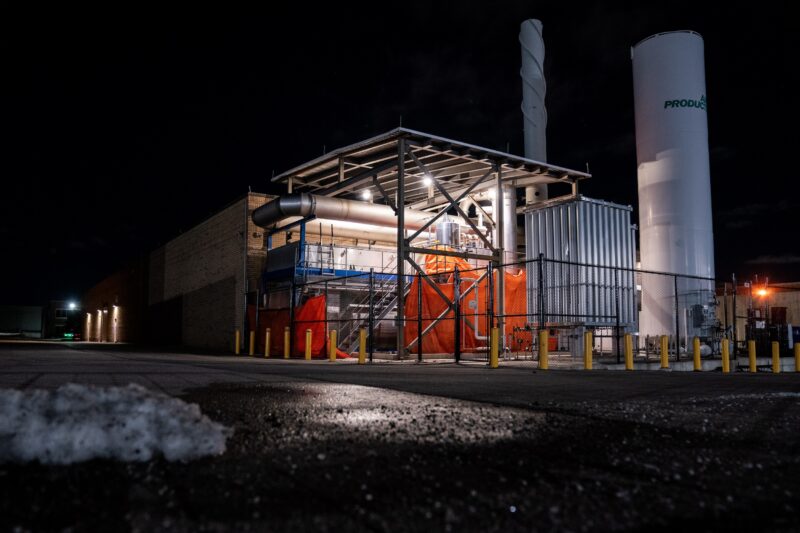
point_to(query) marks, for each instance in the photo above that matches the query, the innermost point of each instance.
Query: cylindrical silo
(674, 184)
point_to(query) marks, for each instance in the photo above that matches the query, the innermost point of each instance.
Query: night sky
(120, 129)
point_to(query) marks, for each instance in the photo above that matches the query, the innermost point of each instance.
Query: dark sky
(120, 129)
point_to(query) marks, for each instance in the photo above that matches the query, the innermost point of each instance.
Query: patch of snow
(81, 422)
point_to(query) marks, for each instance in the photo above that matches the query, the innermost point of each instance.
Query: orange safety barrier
(309, 315)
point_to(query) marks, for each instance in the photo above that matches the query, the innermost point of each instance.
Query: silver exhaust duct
(324, 207)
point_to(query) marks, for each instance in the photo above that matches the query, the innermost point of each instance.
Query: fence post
(325, 286)
(544, 349)
(628, 351)
(726, 357)
(258, 317)
(252, 350)
(287, 348)
(237, 341)
(616, 312)
(751, 355)
(291, 316)
(371, 313)
(664, 351)
(489, 301)
(735, 337)
(542, 324)
(308, 345)
(776, 357)
(457, 314)
(419, 317)
(266, 343)
(493, 342)
(677, 321)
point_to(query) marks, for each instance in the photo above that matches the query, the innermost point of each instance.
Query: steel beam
(501, 271)
(401, 246)
(443, 211)
(427, 279)
(450, 253)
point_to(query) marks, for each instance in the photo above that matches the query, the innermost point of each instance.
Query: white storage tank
(673, 175)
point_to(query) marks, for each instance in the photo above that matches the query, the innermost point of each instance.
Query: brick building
(190, 291)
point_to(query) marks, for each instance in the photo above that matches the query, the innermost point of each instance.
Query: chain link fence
(450, 312)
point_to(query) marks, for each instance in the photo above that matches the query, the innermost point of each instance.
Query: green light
(69, 335)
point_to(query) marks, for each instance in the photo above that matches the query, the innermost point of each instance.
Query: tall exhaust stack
(533, 92)
(676, 233)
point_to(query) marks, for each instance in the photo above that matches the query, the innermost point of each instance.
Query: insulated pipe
(304, 204)
(533, 93)
(339, 228)
(509, 225)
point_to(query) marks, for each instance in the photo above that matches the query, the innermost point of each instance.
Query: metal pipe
(304, 205)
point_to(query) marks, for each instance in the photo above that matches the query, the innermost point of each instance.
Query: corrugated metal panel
(588, 276)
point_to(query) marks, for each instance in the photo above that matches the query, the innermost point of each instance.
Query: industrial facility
(424, 244)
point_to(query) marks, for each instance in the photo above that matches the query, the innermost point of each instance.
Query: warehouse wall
(191, 291)
(115, 308)
(203, 273)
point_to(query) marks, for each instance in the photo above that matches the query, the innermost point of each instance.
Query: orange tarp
(309, 315)
(441, 339)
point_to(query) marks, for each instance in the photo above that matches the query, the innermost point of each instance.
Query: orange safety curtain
(309, 315)
(441, 339)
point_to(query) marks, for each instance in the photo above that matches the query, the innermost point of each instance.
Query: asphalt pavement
(407, 447)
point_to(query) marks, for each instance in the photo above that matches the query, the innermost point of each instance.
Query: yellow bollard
(266, 343)
(751, 355)
(664, 351)
(286, 342)
(252, 343)
(544, 349)
(494, 356)
(308, 345)
(698, 365)
(726, 357)
(362, 346)
(797, 357)
(628, 351)
(236, 342)
(332, 351)
(587, 350)
(776, 357)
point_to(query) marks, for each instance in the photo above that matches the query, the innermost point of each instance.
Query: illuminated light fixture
(761, 292)
(72, 305)
(366, 194)
(427, 181)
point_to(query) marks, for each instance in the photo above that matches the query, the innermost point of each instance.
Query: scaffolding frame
(398, 164)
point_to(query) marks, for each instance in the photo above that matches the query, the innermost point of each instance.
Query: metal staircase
(384, 301)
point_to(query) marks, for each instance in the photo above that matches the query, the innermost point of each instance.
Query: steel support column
(401, 245)
(501, 271)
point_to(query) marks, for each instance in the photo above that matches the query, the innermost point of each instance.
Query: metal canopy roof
(347, 171)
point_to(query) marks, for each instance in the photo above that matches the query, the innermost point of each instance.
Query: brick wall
(192, 289)
(205, 268)
(114, 309)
